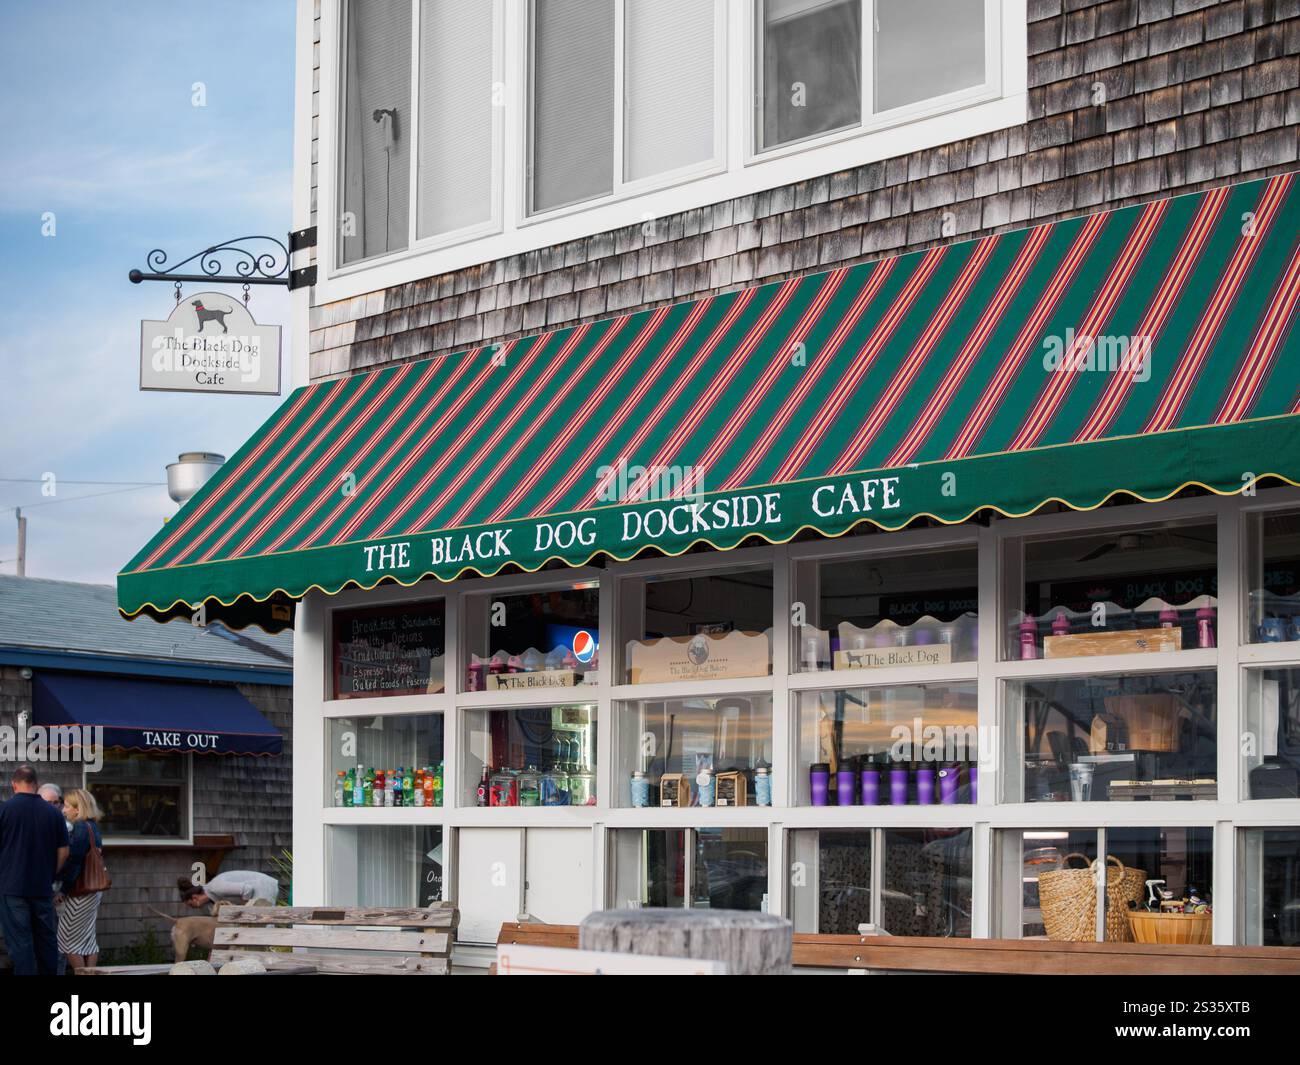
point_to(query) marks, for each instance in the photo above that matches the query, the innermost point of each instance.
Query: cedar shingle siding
(1197, 94)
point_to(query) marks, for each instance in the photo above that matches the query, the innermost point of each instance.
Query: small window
(917, 609)
(532, 756)
(1273, 577)
(1270, 744)
(531, 640)
(1158, 885)
(591, 133)
(1118, 591)
(812, 57)
(1135, 737)
(697, 627)
(396, 760)
(1270, 908)
(388, 651)
(435, 139)
(143, 795)
(385, 865)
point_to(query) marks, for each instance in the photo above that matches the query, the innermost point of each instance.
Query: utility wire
(73, 499)
(41, 480)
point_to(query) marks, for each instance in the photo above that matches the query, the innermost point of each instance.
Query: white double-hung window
(826, 66)
(621, 92)
(419, 95)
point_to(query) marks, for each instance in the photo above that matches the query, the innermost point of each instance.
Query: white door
(559, 867)
(489, 889)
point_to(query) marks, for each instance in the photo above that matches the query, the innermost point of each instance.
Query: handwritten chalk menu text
(395, 650)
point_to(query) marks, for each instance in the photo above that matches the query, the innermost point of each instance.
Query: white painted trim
(734, 173)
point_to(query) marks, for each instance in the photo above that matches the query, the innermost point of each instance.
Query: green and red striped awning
(1134, 351)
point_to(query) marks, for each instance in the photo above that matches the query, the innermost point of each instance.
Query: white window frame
(90, 782)
(870, 121)
(623, 189)
(333, 174)
(738, 172)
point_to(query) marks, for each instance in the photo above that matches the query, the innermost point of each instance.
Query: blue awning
(149, 715)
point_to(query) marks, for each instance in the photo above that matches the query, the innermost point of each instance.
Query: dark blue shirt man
(33, 848)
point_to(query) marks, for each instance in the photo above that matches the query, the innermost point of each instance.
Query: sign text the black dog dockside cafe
(210, 343)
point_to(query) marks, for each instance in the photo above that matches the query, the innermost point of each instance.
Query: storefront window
(1113, 592)
(1270, 745)
(391, 760)
(730, 869)
(546, 639)
(912, 744)
(1111, 738)
(1049, 884)
(924, 887)
(385, 651)
(1273, 577)
(1271, 890)
(537, 756)
(385, 865)
(143, 794)
(695, 752)
(649, 867)
(697, 627)
(894, 610)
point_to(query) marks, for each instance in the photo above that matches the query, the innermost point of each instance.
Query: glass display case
(1272, 585)
(531, 640)
(391, 760)
(695, 752)
(696, 626)
(1131, 737)
(912, 744)
(1270, 741)
(531, 756)
(1119, 591)
(900, 609)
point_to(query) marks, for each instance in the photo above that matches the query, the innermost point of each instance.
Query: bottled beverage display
(388, 788)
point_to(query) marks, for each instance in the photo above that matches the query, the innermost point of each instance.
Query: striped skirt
(77, 917)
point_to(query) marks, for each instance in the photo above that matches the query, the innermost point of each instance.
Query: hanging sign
(210, 343)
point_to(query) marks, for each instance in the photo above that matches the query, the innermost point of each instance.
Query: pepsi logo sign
(584, 646)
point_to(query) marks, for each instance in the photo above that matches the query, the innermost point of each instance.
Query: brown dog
(190, 932)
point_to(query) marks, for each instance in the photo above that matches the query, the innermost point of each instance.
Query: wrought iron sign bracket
(254, 260)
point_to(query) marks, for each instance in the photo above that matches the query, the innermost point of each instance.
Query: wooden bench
(1007, 956)
(356, 941)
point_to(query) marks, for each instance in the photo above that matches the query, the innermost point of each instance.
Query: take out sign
(210, 343)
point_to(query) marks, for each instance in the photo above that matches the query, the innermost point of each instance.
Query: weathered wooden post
(751, 944)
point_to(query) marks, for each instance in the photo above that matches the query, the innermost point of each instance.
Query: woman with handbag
(84, 880)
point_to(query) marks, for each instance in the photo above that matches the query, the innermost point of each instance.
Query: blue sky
(97, 125)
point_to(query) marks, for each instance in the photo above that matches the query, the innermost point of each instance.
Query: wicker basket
(1171, 927)
(1068, 899)
(1153, 722)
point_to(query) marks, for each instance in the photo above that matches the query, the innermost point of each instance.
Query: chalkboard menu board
(395, 650)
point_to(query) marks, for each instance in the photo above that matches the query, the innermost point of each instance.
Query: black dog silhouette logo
(206, 315)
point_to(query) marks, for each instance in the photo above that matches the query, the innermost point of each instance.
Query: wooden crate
(355, 941)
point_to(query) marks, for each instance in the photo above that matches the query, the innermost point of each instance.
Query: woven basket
(1068, 899)
(1171, 927)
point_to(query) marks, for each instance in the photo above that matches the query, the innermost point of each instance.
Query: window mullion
(620, 91)
(868, 62)
(413, 206)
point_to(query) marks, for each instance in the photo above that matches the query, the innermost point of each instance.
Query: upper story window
(823, 65)
(418, 129)
(619, 91)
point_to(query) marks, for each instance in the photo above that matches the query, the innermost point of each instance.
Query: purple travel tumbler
(819, 776)
(925, 786)
(898, 785)
(974, 777)
(870, 783)
(846, 784)
(948, 782)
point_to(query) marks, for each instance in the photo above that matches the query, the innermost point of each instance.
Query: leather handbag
(94, 873)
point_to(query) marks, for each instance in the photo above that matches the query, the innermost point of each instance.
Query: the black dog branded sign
(210, 343)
